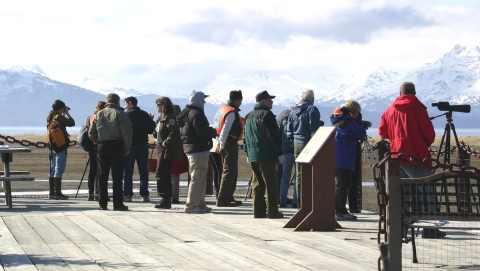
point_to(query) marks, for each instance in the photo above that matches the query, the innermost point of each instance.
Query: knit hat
(263, 95)
(57, 105)
(236, 95)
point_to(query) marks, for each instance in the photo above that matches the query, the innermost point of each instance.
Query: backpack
(84, 140)
(57, 136)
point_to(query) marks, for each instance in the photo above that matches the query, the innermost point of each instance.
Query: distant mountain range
(26, 96)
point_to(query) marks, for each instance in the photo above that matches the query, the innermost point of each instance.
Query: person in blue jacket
(349, 131)
(303, 122)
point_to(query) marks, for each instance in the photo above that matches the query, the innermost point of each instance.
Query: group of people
(272, 143)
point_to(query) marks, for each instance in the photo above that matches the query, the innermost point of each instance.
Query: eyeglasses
(159, 105)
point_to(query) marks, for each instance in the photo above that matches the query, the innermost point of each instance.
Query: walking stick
(81, 180)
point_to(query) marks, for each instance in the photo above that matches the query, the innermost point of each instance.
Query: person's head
(353, 107)
(307, 95)
(130, 102)
(197, 98)
(164, 105)
(113, 98)
(236, 97)
(176, 109)
(265, 99)
(407, 88)
(58, 106)
(100, 106)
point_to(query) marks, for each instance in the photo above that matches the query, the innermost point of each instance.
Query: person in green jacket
(112, 130)
(263, 146)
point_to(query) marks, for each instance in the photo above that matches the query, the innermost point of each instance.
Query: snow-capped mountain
(286, 89)
(454, 77)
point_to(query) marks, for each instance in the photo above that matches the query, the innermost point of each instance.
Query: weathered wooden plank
(169, 258)
(200, 256)
(12, 256)
(74, 257)
(46, 230)
(117, 228)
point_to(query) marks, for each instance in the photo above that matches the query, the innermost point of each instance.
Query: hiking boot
(346, 216)
(90, 197)
(433, 234)
(283, 205)
(51, 186)
(225, 203)
(237, 202)
(260, 215)
(146, 199)
(175, 201)
(127, 198)
(195, 210)
(121, 208)
(58, 189)
(276, 215)
(294, 205)
(164, 204)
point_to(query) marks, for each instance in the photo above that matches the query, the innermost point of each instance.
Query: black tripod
(445, 143)
(81, 180)
(449, 126)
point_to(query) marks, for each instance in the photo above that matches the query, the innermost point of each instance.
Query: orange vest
(219, 121)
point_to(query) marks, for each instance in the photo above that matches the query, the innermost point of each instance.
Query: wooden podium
(317, 162)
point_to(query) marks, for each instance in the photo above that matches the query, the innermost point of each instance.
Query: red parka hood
(407, 101)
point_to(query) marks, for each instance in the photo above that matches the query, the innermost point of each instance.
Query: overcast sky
(184, 45)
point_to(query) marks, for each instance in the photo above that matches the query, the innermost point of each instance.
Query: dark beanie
(57, 105)
(236, 95)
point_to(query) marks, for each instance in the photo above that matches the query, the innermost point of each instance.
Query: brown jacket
(170, 134)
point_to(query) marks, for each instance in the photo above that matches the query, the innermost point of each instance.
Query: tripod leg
(81, 180)
(249, 188)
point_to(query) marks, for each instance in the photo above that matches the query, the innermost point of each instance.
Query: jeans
(110, 155)
(298, 148)
(58, 161)
(137, 153)
(285, 172)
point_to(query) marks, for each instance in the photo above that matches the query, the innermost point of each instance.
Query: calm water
(20, 130)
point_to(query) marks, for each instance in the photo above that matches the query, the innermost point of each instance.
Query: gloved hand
(280, 159)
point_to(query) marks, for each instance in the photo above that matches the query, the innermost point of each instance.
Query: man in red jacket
(408, 127)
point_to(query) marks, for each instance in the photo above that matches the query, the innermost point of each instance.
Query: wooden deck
(41, 234)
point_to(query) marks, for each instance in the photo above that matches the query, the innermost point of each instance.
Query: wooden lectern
(317, 162)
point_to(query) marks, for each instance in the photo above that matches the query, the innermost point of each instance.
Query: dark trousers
(163, 176)
(353, 203)
(137, 153)
(110, 155)
(344, 181)
(298, 148)
(264, 180)
(92, 174)
(228, 185)
(216, 163)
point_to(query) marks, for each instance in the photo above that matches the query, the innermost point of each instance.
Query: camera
(67, 107)
(322, 123)
(445, 106)
(366, 124)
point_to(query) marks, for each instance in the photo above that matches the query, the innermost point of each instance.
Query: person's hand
(152, 115)
(127, 152)
(218, 149)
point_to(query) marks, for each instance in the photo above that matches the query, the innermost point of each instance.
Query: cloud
(353, 25)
